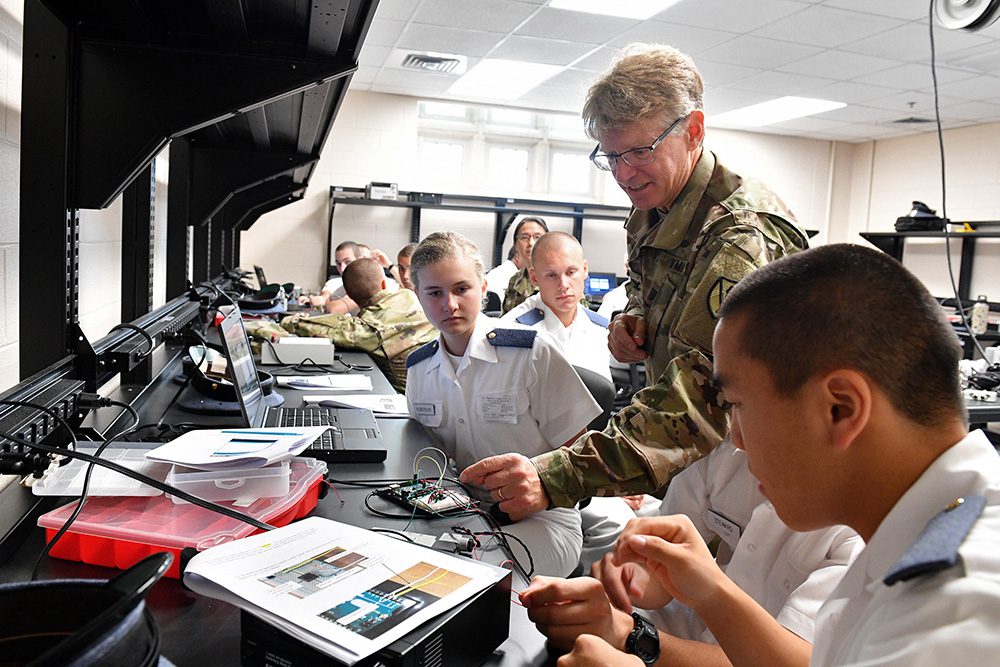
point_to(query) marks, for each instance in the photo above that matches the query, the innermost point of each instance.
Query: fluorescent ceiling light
(503, 79)
(773, 111)
(630, 9)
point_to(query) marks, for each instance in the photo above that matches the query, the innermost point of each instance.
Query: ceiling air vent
(432, 63)
(912, 120)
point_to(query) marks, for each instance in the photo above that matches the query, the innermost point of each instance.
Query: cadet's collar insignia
(512, 337)
(936, 548)
(599, 320)
(531, 317)
(717, 293)
(423, 352)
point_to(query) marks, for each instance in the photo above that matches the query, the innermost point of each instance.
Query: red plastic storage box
(121, 531)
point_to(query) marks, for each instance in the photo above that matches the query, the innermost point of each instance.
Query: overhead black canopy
(246, 91)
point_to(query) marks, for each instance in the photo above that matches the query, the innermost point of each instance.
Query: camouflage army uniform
(520, 288)
(388, 328)
(681, 265)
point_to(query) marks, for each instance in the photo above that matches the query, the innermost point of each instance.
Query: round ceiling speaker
(968, 15)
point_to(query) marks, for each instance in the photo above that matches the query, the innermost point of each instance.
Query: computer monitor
(598, 284)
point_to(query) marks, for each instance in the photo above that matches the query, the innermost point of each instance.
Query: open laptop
(599, 284)
(355, 437)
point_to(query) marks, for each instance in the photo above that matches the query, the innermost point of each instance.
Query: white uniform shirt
(950, 617)
(499, 277)
(786, 572)
(584, 341)
(613, 301)
(500, 400)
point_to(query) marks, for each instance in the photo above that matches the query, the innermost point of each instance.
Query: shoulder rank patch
(425, 351)
(531, 317)
(599, 320)
(717, 293)
(936, 548)
(512, 337)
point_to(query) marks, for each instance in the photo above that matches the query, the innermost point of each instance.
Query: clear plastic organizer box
(241, 485)
(119, 532)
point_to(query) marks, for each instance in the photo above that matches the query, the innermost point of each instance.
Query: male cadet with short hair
(866, 427)
(389, 325)
(520, 287)
(484, 389)
(559, 270)
(696, 229)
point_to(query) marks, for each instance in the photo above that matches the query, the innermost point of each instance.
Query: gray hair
(440, 246)
(645, 80)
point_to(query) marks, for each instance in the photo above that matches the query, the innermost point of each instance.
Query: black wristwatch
(643, 641)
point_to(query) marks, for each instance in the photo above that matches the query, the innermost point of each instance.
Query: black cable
(393, 532)
(135, 420)
(944, 190)
(219, 292)
(138, 330)
(155, 483)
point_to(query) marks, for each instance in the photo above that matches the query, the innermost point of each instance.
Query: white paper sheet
(342, 381)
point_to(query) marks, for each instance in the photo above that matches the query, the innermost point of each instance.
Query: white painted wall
(11, 19)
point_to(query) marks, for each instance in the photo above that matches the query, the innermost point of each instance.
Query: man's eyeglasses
(633, 157)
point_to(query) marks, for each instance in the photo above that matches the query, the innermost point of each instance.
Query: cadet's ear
(695, 129)
(848, 396)
(532, 276)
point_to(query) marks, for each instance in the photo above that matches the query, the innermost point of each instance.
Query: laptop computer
(355, 437)
(599, 284)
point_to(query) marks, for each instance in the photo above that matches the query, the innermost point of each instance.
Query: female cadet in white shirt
(482, 390)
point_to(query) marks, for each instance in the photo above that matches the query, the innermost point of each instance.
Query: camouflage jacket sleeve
(666, 428)
(343, 330)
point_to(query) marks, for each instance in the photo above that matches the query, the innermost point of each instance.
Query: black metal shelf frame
(505, 210)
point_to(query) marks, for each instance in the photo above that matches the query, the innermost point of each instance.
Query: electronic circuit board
(425, 496)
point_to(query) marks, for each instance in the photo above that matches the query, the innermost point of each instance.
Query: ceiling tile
(717, 75)
(982, 111)
(759, 52)
(850, 92)
(974, 88)
(384, 32)
(554, 98)
(913, 76)
(572, 78)
(720, 100)
(420, 37)
(729, 15)
(900, 9)
(807, 124)
(400, 10)
(858, 113)
(364, 75)
(431, 82)
(911, 103)
(779, 84)
(824, 26)
(689, 39)
(911, 43)
(578, 26)
(374, 56)
(486, 15)
(598, 61)
(546, 51)
(840, 65)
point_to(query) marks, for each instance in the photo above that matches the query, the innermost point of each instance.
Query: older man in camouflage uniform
(389, 326)
(695, 230)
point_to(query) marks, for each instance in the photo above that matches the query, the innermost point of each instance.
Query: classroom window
(442, 163)
(508, 169)
(571, 173)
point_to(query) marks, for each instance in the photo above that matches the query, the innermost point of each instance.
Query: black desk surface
(199, 630)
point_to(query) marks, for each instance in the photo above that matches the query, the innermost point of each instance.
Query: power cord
(138, 330)
(944, 189)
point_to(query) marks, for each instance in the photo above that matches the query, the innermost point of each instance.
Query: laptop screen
(261, 280)
(599, 283)
(243, 369)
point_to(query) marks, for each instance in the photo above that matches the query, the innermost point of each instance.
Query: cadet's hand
(591, 651)
(635, 502)
(674, 553)
(512, 480)
(626, 338)
(563, 609)
(629, 584)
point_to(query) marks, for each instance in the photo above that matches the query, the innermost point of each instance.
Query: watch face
(647, 647)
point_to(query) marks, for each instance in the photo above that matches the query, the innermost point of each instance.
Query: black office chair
(603, 391)
(492, 304)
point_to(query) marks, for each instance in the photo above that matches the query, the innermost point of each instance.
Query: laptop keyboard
(314, 417)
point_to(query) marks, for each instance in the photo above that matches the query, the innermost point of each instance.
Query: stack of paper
(328, 382)
(345, 591)
(211, 449)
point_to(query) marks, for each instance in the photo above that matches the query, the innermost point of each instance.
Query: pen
(243, 432)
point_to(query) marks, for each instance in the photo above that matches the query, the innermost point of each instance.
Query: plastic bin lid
(159, 521)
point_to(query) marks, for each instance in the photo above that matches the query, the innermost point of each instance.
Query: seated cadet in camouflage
(520, 287)
(695, 230)
(389, 325)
